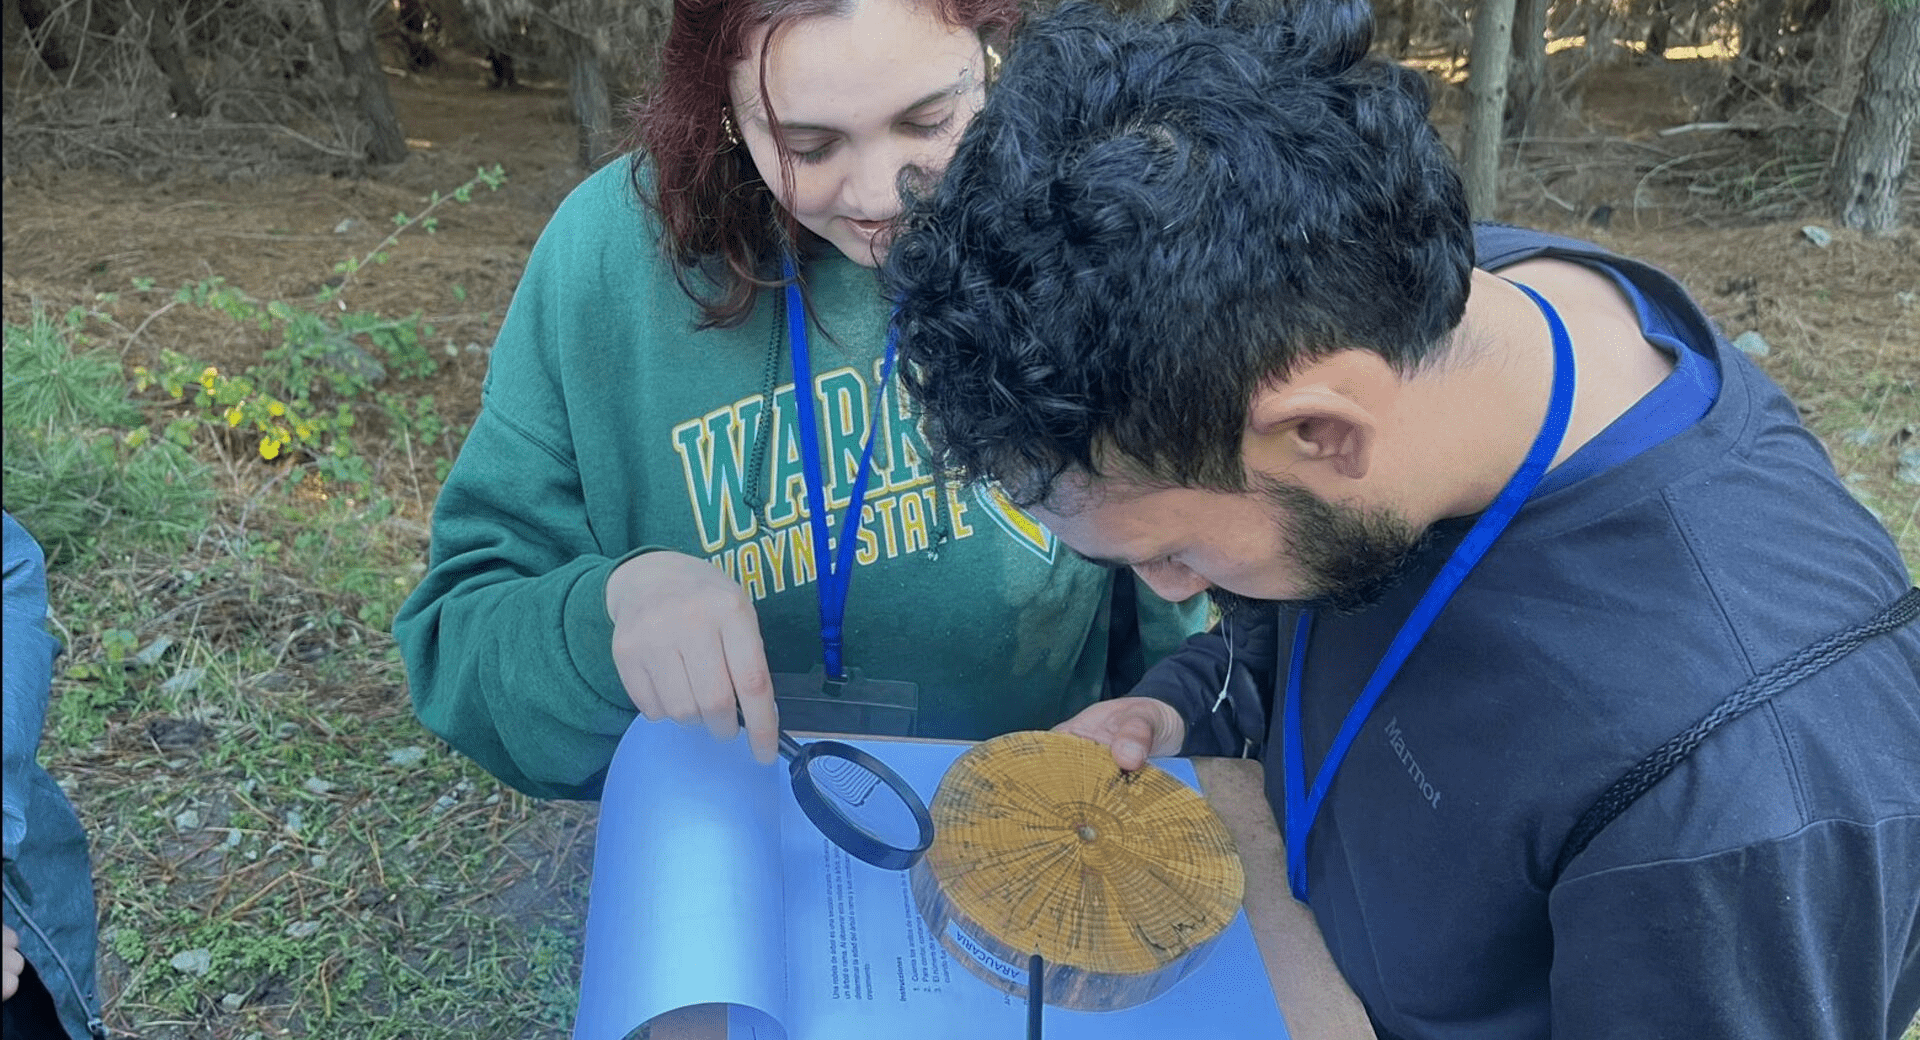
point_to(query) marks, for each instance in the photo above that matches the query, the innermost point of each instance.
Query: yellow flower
(269, 448)
(234, 415)
(303, 431)
(276, 409)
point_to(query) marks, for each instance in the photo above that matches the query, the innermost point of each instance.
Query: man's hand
(15, 964)
(1132, 727)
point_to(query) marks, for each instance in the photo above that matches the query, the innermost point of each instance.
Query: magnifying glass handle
(789, 747)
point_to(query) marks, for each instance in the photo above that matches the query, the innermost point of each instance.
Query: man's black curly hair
(1150, 220)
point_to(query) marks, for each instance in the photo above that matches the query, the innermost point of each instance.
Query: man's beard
(1348, 558)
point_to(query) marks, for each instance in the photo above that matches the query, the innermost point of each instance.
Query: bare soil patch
(72, 235)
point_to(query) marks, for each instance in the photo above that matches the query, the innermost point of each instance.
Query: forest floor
(279, 849)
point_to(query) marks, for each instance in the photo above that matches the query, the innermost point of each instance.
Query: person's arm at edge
(30, 650)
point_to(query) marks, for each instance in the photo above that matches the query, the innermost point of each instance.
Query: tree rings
(1121, 881)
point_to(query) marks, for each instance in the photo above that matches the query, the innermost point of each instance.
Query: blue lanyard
(835, 568)
(1303, 805)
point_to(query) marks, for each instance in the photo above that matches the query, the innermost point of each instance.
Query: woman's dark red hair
(717, 215)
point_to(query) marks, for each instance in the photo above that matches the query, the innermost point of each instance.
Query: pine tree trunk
(1660, 28)
(1870, 165)
(1393, 27)
(1527, 93)
(43, 32)
(347, 21)
(1486, 101)
(1606, 26)
(1760, 24)
(163, 45)
(592, 104)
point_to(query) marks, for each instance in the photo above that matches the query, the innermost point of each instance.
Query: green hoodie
(609, 427)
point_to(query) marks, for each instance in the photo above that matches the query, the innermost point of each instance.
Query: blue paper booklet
(711, 886)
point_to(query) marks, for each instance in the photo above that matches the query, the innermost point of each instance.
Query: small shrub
(307, 393)
(49, 384)
(80, 471)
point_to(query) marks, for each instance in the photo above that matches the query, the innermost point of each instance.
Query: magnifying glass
(858, 802)
(865, 807)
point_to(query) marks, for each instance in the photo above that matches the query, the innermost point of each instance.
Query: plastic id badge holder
(809, 702)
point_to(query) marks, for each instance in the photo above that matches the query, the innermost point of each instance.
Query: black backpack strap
(1751, 694)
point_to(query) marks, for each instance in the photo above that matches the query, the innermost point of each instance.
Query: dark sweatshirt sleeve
(507, 641)
(1806, 937)
(1235, 658)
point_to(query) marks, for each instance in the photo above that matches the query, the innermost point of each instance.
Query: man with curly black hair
(1588, 696)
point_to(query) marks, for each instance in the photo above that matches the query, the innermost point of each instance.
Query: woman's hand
(1132, 727)
(686, 641)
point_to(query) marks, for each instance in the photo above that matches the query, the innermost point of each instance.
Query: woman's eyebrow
(939, 95)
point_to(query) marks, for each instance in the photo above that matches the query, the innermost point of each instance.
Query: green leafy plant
(319, 381)
(491, 178)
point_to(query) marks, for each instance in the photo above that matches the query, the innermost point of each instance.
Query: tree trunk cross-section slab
(1121, 881)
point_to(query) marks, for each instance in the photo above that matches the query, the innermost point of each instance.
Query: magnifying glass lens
(864, 800)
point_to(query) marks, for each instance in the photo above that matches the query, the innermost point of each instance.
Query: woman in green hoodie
(646, 517)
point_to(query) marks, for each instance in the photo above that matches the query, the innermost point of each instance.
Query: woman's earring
(993, 63)
(728, 130)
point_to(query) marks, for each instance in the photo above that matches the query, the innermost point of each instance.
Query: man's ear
(1324, 419)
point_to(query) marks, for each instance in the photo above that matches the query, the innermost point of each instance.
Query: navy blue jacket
(1768, 889)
